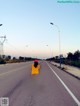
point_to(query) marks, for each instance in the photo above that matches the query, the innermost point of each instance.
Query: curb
(67, 72)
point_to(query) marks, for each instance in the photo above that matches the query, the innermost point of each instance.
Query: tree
(4, 56)
(7, 58)
(77, 55)
(21, 58)
(14, 58)
(70, 56)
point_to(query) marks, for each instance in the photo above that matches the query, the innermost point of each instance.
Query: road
(52, 87)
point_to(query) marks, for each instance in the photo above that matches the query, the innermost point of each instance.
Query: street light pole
(59, 41)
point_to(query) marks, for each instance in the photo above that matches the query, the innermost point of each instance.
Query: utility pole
(2, 40)
(59, 41)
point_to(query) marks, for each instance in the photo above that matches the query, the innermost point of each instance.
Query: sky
(26, 24)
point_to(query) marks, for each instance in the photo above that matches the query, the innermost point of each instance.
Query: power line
(12, 46)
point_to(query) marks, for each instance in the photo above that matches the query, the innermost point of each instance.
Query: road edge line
(65, 86)
(68, 73)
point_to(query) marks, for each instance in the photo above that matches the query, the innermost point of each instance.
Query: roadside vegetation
(72, 59)
(8, 59)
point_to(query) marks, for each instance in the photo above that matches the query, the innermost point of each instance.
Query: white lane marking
(69, 91)
(13, 70)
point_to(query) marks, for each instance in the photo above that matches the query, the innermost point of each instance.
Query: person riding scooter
(35, 67)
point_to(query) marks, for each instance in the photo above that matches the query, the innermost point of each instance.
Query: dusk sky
(26, 24)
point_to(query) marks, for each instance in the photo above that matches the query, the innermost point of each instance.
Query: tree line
(71, 59)
(9, 59)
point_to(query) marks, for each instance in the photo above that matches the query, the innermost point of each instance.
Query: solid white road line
(69, 91)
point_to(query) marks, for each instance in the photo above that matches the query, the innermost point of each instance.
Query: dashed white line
(69, 91)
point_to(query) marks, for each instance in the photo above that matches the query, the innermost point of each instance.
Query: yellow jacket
(35, 70)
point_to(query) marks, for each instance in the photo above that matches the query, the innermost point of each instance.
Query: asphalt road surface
(52, 87)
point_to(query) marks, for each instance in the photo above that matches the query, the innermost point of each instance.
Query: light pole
(59, 40)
